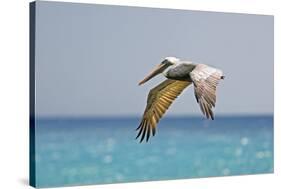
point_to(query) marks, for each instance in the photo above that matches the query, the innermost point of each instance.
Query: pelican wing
(159, 100)
(205, 81)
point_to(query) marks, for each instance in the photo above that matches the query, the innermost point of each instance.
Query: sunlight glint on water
(95, 151)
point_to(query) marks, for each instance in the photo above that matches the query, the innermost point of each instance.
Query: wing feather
(158, 101)
(205, 81)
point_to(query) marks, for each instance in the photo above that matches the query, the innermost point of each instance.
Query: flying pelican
(180, 74)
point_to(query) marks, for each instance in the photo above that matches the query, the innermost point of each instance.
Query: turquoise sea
(81, 151)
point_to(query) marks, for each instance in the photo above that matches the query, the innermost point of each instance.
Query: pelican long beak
(157, 70)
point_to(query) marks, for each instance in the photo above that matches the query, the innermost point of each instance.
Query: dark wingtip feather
(140, 131)
(153, 131)
(212, 114)
(139, 125)
(138, 135)
(144, 131)
(148, 134)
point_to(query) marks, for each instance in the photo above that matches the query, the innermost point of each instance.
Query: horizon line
(138, 116)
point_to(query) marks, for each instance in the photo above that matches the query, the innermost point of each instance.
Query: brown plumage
(204, 78)
(159, 100)
(205, 84)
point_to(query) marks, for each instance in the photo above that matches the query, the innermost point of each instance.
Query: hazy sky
(90, 58)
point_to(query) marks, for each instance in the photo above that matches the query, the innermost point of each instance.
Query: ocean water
(81, 151)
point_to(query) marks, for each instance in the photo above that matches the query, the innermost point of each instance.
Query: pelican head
(168, 61)
(171, 60)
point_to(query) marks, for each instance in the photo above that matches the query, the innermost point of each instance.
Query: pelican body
(179, 74)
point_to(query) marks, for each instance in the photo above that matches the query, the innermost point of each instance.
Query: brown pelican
(180, 74)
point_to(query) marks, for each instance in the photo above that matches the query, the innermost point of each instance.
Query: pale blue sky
(89, 58)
